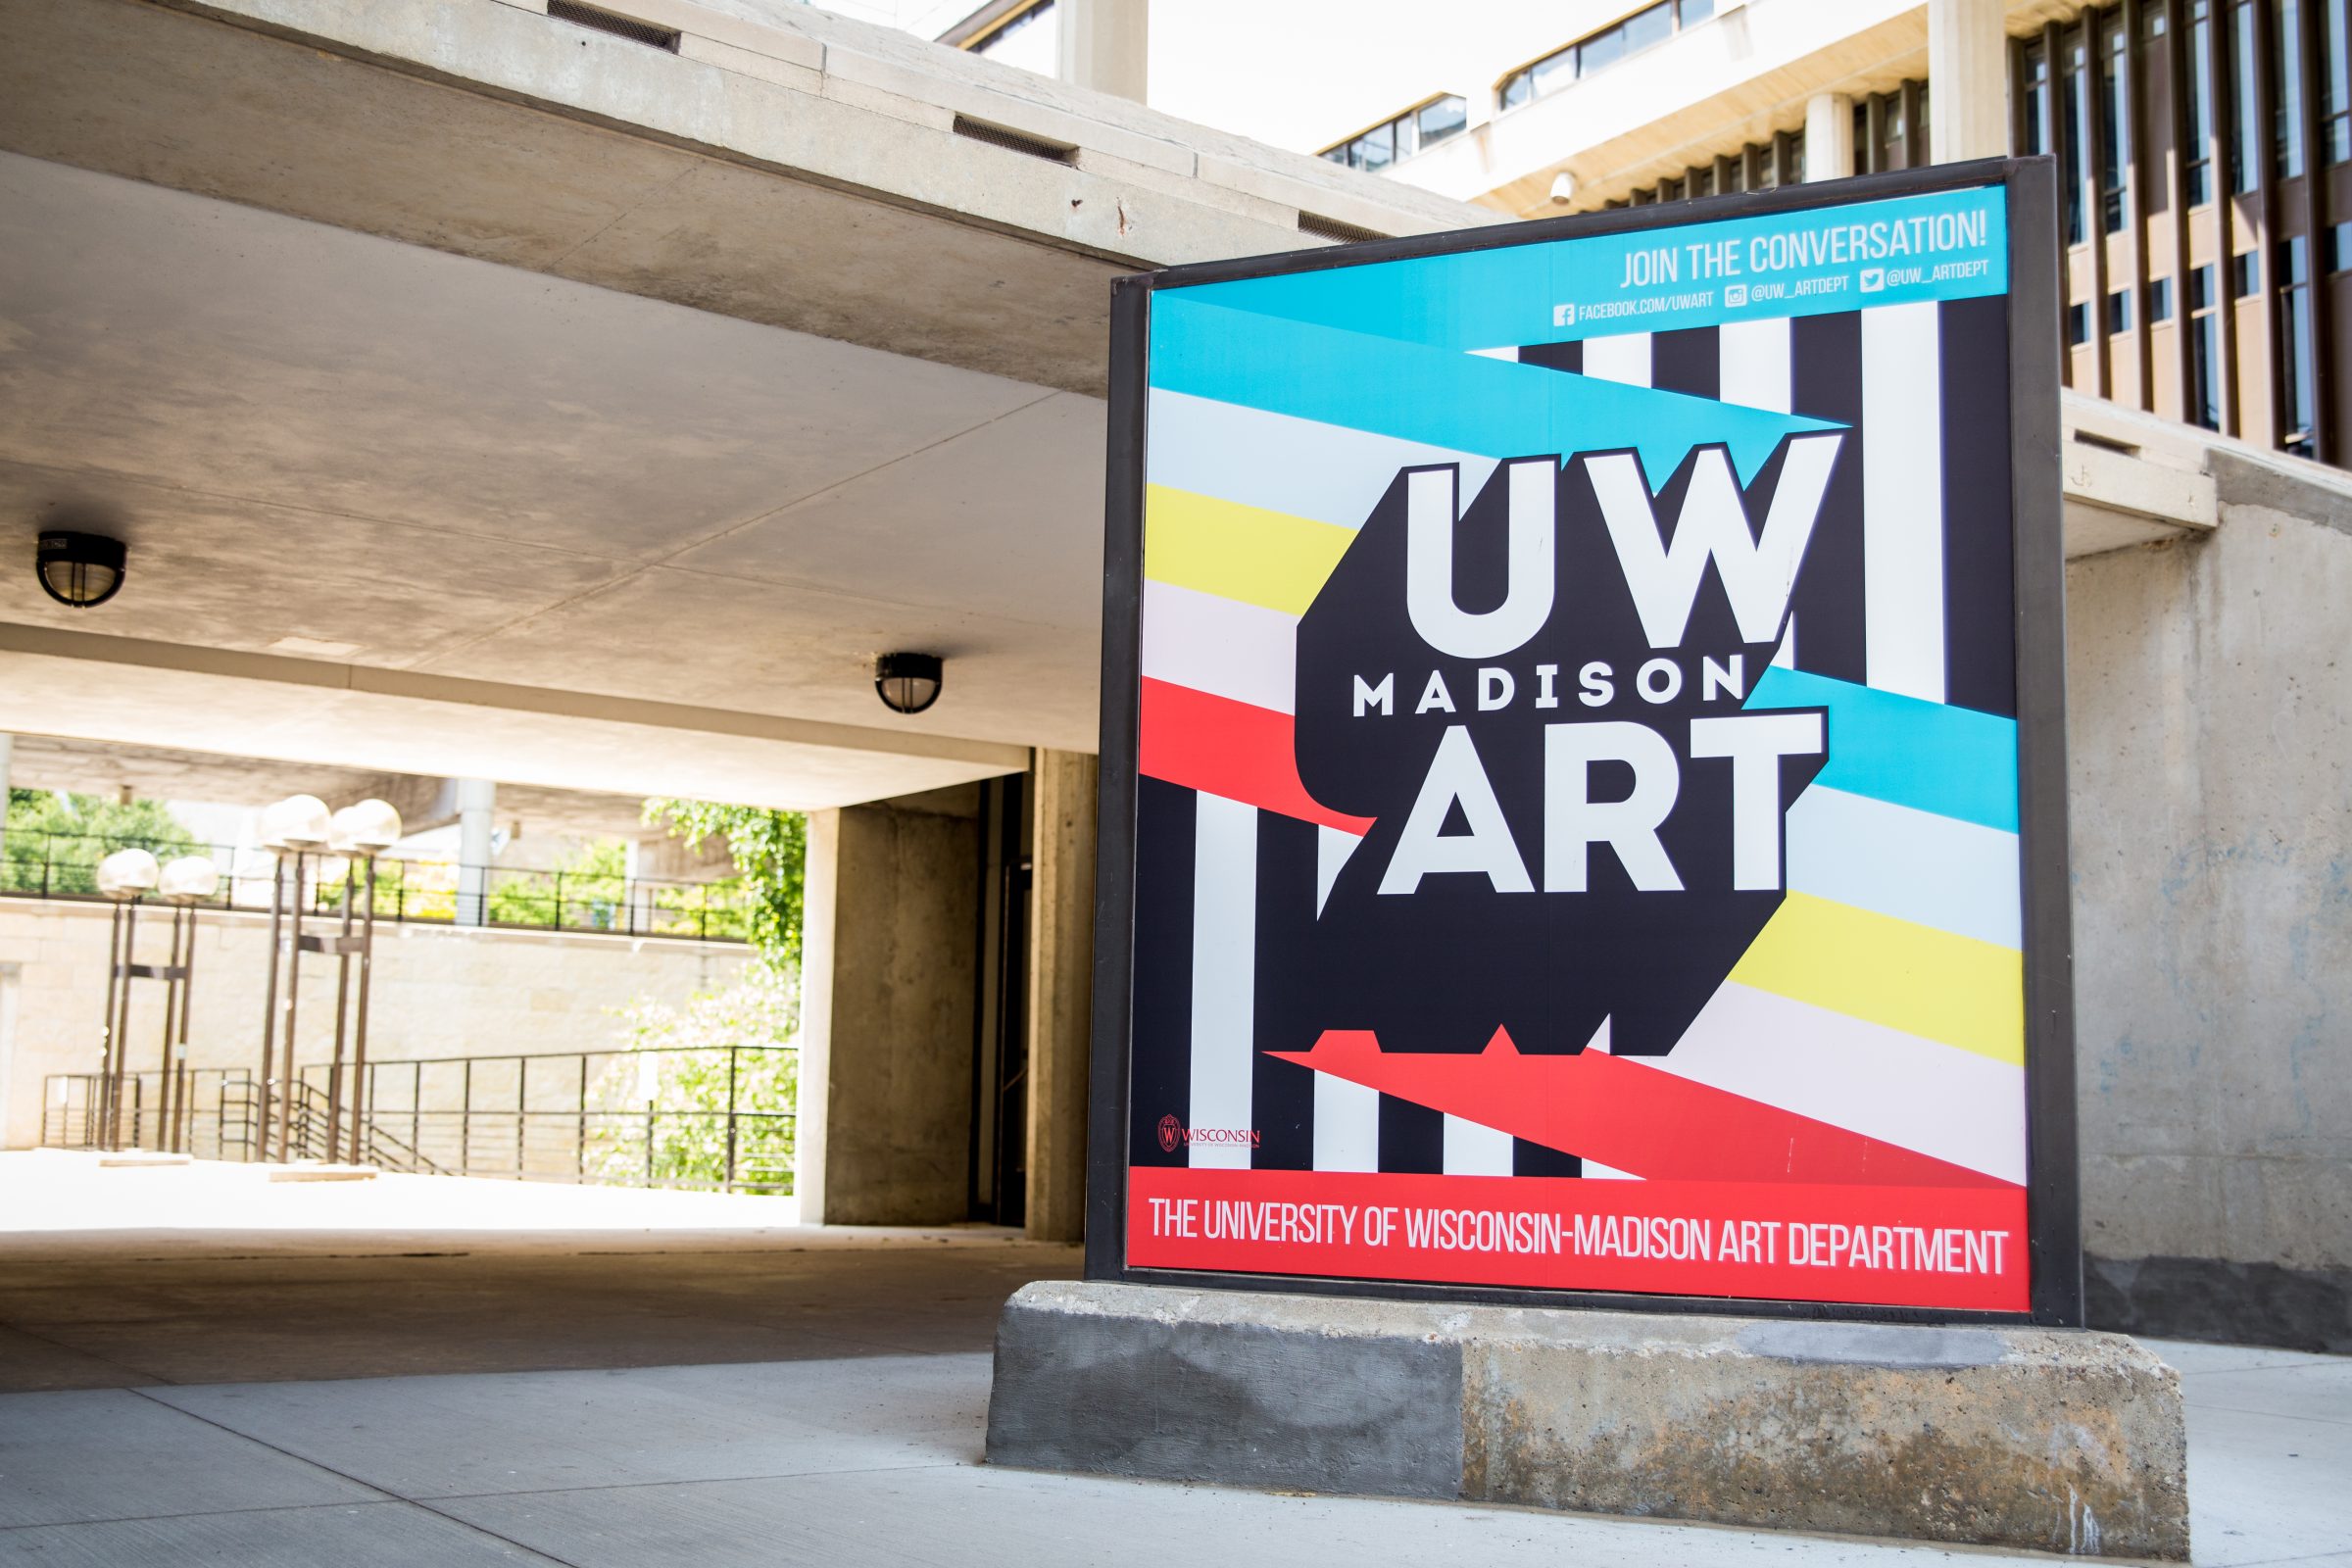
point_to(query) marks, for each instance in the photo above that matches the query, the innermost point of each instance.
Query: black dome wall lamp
(79, 569)
(909, 683)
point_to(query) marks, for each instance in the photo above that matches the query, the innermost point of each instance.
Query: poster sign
(1583, 798)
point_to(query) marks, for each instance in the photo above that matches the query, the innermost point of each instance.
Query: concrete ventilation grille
(1333, 229)
(1014, 141)
(644, 32)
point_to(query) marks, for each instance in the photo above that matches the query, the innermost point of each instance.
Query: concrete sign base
(2056, 1440)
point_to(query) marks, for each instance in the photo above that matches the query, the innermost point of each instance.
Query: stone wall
(437, 992)
(2210, 687)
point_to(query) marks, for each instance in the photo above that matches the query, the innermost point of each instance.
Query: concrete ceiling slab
(783, 166)
(308, 434)
(158, 334)
(693, 637)
(1003, 519)
(160, 773)
(90, 687)
(587, 414)
(231, 572)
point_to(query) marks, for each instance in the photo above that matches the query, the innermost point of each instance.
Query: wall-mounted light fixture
(909, 683)
(79, 569)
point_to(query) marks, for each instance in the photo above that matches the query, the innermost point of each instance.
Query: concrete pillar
(477, 802)
(1061, 960)
(1106, 45)
(888, 976)
(1968, 73)
(1829, 136)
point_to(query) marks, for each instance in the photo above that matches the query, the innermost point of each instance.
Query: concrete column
(477, 802)
(1061, 960)
(1968, 73)
(1106, 45)
(892, 904)
(1829, 136)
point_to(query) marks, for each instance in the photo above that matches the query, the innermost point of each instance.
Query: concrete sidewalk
(650, 1383)
(875, 1459)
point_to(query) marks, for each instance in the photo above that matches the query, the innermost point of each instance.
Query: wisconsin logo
(1542, 695)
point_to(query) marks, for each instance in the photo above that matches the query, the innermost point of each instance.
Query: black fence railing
(64, 866)
(204, 1112)
(714, 1118)
(717, 1118)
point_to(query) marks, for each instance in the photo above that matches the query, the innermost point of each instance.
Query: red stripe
(1958, 1248)
(1237, 749)
(1635, 1118)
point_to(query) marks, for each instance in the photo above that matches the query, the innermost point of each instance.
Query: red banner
(1957, 1247)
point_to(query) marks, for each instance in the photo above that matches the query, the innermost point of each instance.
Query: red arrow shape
(1639, 1119)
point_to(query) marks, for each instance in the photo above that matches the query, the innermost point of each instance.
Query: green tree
(582, 892)
(72, 833)
(770, 851)
(665, 1102)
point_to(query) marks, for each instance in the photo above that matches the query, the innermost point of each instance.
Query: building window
(2336, 248)
(2246, 146)
(2073, 93)
(2115, 124)
(1758, 166)
(2245, 276)
(2295, 333)
(2036, 98)
(1596, 52)
(2335, 80)
(2160, 300)
(1030, 38)
(2204, 350)
(2119, 312)
(2077, 325)
(1400, 139)
(2196, 169)
(2287, 34)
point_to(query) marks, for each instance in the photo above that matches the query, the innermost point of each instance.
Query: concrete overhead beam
(783, 166)
(307, 710)
(2131, 478)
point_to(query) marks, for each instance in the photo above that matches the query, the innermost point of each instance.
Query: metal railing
(698, 1117)
(63, 865)
(208, 1113)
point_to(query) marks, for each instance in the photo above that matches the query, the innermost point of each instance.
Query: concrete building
(583, 401)
(2202, 150)
(583, 397)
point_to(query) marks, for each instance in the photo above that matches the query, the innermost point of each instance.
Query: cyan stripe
(1931, 756)
(1843, 257)
(1441, 398)
(1914, 865)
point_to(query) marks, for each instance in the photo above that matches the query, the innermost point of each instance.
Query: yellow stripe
(1910, 977)
(1237, 551)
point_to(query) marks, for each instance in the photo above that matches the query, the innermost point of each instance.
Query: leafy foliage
(72, 833)
(770, 851)
(663, 1102)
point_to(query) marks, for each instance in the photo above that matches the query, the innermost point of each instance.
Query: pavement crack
(382, 1493)
(135, 1374)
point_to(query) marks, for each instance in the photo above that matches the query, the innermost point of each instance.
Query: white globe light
(127, 873)
(297, 822)
(367, 828)
(189, 878)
